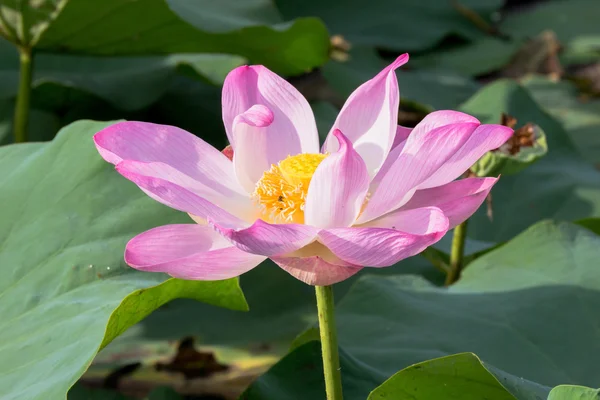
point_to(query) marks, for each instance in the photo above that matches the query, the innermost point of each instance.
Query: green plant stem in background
(329, 346)
(23, 96)
(431, 255)
(457, 253)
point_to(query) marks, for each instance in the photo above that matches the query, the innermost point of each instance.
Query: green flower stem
(457, 253)
(23, 96)
(329, 346)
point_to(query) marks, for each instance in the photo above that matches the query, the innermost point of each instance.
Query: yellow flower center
(281, 191)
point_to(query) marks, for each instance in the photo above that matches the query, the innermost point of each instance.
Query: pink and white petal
(438, 119)
(177, 197)
(369, 117)
(229, 200)
(458, 200)
(399, 143)
(315, 264)
(293, 121)
(402, 133)
(383, 243)
(188, 252)
(418, 221)
(388, 163)
(268, 239)
(482, 140)
(314, 270)
(146, 142)
(337, 189)
(415, 164)
(256, 147)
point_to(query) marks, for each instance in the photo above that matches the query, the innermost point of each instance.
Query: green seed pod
(527, 145)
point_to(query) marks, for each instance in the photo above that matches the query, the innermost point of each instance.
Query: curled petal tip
(258, 115)
(342, 139)
(400, 61)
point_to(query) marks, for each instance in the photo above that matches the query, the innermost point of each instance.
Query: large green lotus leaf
(526, 309)
(573, 392)
(560, 185)
(581, 119)
(66, 292)
(124, 27)
(400, 25)
(457, 377)
(432, 89)
(128, 83)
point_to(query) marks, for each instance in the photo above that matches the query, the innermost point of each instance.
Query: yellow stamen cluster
(281, 191)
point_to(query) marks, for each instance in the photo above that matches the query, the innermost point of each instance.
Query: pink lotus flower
(375, 193)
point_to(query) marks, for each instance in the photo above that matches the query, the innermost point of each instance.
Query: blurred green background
(164, 61)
